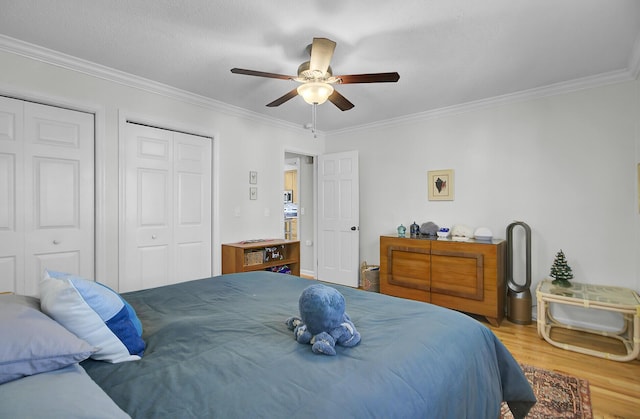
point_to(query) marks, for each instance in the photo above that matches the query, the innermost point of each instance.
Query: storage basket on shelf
(254, 257)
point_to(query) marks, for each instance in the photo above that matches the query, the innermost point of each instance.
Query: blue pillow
(94, 313)
(32, 343)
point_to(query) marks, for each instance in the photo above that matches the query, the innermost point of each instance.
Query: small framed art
(253, 178)
(253, 193)
(440, 185)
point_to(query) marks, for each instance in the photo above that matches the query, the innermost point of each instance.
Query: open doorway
(299, 221)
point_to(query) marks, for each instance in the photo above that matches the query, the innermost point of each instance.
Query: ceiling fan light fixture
(315, 92)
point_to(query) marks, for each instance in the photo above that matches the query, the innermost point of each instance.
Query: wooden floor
(615, 386)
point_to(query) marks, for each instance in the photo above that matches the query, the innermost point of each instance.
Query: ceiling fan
(317, 79)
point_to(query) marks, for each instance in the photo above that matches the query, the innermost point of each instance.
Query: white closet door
(167, 208)
(53, 193)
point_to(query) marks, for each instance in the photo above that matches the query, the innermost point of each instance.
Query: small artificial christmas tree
(561, 271)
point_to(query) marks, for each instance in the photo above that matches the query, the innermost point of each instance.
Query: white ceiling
(448, 52)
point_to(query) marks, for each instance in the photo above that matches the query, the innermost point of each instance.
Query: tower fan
(519, 295)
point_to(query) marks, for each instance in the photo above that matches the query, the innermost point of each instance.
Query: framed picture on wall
(440, 185)
(253, 177)
(253, 193)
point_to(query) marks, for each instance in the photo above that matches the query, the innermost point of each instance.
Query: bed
(219, 347)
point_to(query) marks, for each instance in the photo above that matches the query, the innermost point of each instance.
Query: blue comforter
(219, 348)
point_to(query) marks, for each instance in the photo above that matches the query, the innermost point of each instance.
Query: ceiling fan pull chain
(313, 120)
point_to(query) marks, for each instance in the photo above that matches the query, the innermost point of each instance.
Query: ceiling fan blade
(260, 74)
(370, 78)
(340, 101)
(321, 53)
(283, 98)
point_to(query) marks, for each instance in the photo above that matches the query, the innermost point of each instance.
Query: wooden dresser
(464, 276)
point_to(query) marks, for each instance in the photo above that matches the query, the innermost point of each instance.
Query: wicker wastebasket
(370, 277)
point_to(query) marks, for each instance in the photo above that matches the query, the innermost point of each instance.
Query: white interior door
(167, 208)
(339, 218)
(47, 180)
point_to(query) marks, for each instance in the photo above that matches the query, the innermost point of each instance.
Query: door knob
(56, 242)
(154, 237)
(354, 228)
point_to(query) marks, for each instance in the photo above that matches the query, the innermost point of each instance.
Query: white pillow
(94, 313)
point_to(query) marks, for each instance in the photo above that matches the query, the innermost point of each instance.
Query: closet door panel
(192, 228)
(7, 192)
(11, 237)
(56, 193)
(59, 202)
(148, 211)
(153, 264)
(11, 195)
(58, 261)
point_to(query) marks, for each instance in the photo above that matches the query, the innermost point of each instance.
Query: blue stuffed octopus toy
(323, 322)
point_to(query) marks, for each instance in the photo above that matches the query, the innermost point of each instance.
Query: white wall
(565, 165)
(242, 143)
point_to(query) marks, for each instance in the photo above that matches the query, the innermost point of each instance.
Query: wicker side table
(598, 297)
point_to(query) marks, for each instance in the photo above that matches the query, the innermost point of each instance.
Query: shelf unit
(245, 256)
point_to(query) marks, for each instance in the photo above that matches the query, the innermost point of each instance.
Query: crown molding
(522, 96)
(59, 59)
(631, 73)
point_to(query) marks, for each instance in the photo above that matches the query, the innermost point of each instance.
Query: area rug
(559, 395)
